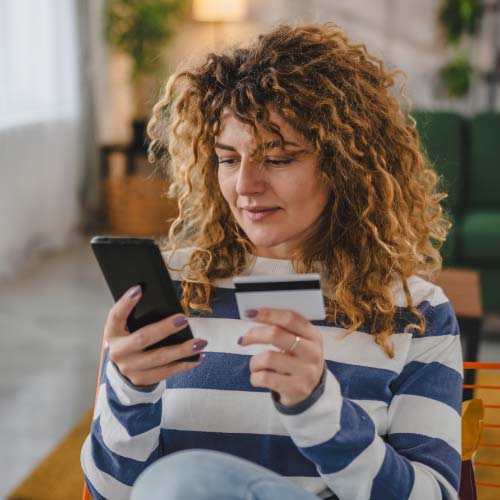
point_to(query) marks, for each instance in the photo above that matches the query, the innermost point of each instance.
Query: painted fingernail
(240, 341)
(180, 321)
(251, 313)
(201, 344)
(134, 292)
(201, 358)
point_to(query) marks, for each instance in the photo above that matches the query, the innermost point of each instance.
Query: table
(130, 152)
(462, 287)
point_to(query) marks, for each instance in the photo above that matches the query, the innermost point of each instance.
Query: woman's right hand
(127, 352)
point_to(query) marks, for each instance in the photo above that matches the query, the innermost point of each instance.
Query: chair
(472, 428)
(481, 224)
(466, 153)
(442, 135)
(480, 434)
(86, 493)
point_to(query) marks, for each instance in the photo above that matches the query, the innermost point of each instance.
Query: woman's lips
(260, 213)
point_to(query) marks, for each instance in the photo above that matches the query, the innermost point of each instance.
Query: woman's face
(275, 205)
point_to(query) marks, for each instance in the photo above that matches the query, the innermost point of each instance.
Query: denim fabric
(212, 475)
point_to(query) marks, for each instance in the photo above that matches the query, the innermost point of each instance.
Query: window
(38, 61)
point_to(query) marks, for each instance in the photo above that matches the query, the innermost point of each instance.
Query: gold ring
(295, 344)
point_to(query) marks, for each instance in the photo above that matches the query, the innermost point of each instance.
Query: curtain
(41, 156)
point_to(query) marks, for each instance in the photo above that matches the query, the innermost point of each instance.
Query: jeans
(213, 475)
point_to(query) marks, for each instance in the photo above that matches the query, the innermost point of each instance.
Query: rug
(59, 475)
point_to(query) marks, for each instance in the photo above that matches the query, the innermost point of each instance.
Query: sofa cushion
(481, 236)
(484, 162)
(442, 136)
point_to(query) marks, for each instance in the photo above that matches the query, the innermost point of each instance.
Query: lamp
(216, 11)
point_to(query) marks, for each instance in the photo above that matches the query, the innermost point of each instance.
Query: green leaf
(456, 76)
(142, 28)
(460, 16)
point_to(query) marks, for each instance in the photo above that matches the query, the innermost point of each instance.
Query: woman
(289, 155)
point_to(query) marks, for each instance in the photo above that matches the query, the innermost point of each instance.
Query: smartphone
(126, 262)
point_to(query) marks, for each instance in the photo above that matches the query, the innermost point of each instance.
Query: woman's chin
(270, 247)
(261, 239)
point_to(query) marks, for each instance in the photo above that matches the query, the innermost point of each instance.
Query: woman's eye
(274, 161)
(227, 161)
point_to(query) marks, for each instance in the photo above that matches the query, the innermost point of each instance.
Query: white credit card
(296, 292)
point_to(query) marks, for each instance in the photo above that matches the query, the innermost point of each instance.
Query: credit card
(296, 292)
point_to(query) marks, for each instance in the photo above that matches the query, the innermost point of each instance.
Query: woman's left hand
(294, 372)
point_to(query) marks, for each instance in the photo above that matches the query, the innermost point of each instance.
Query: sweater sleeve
(124, 437)
(420, 457)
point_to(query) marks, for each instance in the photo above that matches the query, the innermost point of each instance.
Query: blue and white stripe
(383, 428)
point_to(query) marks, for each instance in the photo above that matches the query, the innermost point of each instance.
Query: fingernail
(201, 344)
(180, 321)
(240, 341)
(201, 358)
(135, 291)
(251, 313)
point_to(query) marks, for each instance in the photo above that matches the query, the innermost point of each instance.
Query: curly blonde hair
(383, 221)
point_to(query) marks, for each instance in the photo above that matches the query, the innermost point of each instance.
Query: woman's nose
(250, 178)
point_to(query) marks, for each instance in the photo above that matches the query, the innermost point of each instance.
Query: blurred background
(78, 79)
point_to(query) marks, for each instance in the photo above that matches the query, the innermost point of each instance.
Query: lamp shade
(219, 10)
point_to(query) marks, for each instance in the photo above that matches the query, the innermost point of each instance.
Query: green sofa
(466, 153)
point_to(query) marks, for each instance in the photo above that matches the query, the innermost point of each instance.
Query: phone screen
(126, 262)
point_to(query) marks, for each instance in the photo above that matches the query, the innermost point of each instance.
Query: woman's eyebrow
(267, 145)
(224, 146)
(275, 144)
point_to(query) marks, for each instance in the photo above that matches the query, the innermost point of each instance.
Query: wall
(404, 33)
(407, 35)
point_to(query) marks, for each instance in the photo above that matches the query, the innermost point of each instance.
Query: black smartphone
(126, 262)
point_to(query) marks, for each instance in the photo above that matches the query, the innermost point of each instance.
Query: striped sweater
(381, 429)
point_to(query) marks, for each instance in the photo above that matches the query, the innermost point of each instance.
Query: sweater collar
(266, 265)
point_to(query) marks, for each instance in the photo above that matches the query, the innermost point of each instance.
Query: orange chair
(478, 438)
(486, 466)
(86, 494)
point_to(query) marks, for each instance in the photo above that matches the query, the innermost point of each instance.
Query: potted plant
(135, 203)
(456, 76)
(458, 18)
(142, 28)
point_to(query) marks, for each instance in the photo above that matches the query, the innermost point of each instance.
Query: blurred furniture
(481, 432)
(472, 428)
(134, 195)
(462, 287)
(132, 154)
(466, 153)
(86, 494)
